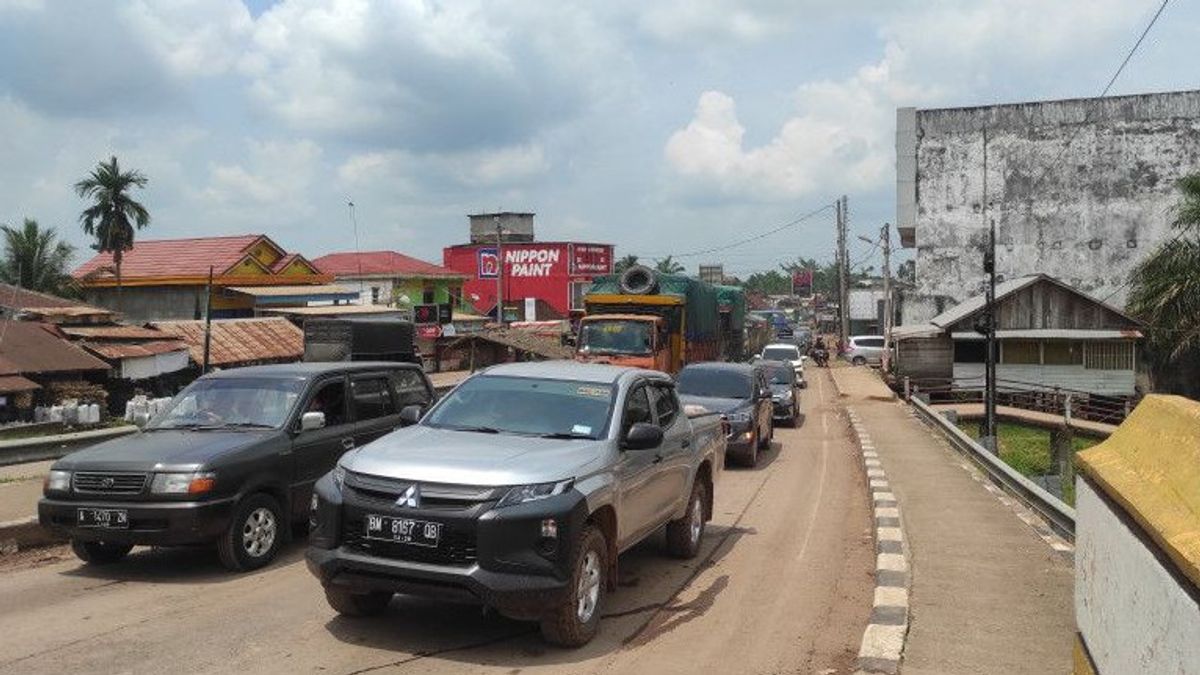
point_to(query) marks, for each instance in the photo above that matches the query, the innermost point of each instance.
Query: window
(374, 295)
(665, 405)
(372, 398)
(330, 398)
(1062, 353)
(869, 342)
(781, 354)
(578, 290)
(429, 294)
(1109, 356)
(970, 351)
(1020, 352)
(410, 388)
(637, 409)
(531, 406)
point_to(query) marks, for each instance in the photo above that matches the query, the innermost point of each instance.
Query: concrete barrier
(1137, 538)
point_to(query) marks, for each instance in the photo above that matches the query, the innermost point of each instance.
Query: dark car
(738, 391)
(231, 461)
(785, 390)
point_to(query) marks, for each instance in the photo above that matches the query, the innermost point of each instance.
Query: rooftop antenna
(357, 252)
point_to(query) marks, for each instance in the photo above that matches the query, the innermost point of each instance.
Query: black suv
(232, 460)
(739, 392)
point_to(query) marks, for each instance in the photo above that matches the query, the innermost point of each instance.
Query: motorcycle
(820, 357)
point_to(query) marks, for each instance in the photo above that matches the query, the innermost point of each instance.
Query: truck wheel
(100, 552)
(254, 535)
(357, 604)
(574, 621)
(683, 535)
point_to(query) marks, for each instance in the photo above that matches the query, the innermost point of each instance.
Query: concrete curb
(22, 450)
(883, 641)
(24, 533)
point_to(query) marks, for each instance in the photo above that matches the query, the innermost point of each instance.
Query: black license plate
(112, 519)
(404, 530)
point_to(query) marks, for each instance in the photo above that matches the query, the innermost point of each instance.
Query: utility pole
(207, 320)
(499, 272)
(843, 274)
(888, 311)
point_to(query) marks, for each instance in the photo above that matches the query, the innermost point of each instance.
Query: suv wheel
(357, 604)
(764, 440)
(254, 536)
(574, 621)
(859, 361)
(100, 552)
(683, 535)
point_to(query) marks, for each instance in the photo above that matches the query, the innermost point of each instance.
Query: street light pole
(499, 272)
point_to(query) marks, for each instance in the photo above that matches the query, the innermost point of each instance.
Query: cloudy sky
(666, 127)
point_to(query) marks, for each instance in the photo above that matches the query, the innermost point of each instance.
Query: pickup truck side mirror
(643, 436)
(410, 415)
(312, 420)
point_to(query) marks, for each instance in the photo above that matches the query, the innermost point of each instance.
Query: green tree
(669, 265)
(771, 282)
(1165, 293)
(35, 258)
(114, 214)
(625, 263)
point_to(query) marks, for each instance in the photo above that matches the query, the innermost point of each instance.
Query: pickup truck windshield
(529, 406)
(615, 337)
(230, 402)
(714, 383)
(781, 354)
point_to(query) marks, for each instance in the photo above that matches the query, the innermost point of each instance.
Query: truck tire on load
(573, 623)
(639, 280)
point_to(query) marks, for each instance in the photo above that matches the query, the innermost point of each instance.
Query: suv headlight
(183, 483)
(338, 475)
(738, 417)
(57, 481)
(529, 493)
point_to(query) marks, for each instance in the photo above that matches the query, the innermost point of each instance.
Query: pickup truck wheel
(764, 440)
(357, 604)
(100, 552)
(254, 534)
(574, 621)
(683, 535)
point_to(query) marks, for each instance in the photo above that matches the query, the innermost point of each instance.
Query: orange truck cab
(635, 340)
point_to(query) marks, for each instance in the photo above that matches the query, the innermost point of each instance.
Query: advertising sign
(531, 262)
(590, 259)
(424, 315)
(432, 332)
(489, 262)
(802, 282)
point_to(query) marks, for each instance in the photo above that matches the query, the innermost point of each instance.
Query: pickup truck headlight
(183, 483)
(529, 493)
(57, 481)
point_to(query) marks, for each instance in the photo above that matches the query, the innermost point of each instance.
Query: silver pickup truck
(518, 490)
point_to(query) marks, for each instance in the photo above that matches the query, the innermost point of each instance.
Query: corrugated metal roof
(916, 330)
(971, 305)
(380, 263)
(33, 347)
(121, 332)
(1053, 334)
(127, 350)
(311, 289)
(334, 310)
(15, 297)
(13, 383)
(240, 341)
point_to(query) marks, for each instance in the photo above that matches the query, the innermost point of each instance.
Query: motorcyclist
(820, 352)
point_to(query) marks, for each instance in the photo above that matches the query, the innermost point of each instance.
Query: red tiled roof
(117, 332)
(375, 263)
(30, 347)
(239, 341)
(15, 297)
(284, 262)
(174, 257)
(11, 384)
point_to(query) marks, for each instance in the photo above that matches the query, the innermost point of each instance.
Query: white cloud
(277, 176)
(491, 168)
(193, 37)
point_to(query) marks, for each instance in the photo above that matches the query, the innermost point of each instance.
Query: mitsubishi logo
(411, 497)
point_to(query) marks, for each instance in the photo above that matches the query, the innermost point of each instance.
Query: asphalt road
(783, 586)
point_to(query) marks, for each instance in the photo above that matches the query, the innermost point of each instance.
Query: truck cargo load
(359, 339)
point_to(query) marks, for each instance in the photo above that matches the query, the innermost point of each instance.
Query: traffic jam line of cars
(517, 490)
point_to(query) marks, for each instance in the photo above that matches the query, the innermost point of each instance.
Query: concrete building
(166, 279)
(1081, 189)
(393, 279)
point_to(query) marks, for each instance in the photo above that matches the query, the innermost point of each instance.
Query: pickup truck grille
(378, 490)
(456, 547)
(109, 482)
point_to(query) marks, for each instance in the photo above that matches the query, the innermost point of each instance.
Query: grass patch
(1027, 449)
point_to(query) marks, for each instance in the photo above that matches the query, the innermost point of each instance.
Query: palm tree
(625, 263)
(1165, 291)
(114, 214)
(669, 265)
(34, 258)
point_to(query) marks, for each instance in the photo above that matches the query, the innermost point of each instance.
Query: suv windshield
(524, 405)
(226, 402)
(615, 337)
(781, 374)
(715, 383)
(781, 354)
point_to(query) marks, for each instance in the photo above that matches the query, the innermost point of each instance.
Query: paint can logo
(489, 263)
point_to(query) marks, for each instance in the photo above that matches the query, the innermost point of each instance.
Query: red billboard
(590, 259)
(802, 282)
(555, 272)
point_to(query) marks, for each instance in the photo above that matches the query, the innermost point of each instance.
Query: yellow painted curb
(1151, 467)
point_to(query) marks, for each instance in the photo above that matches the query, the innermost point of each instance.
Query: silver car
(517, 491)
(864, 350)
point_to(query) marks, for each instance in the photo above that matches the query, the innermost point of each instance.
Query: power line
(1134, 49)
(747, 240)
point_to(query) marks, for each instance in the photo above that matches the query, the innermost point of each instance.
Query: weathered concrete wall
(1135, 616)
(1079, 189)
(140, 304)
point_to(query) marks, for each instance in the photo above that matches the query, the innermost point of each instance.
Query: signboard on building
(590, 259)
(712, 274)
(488, 262)
(429, 332)
(425, 315)
(802, 282)
(532, 262)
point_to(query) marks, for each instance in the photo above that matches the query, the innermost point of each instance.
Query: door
(636, 471)
(762, 403)
(412, 388)
(673, 482)
(374, 407)
(315, 452)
